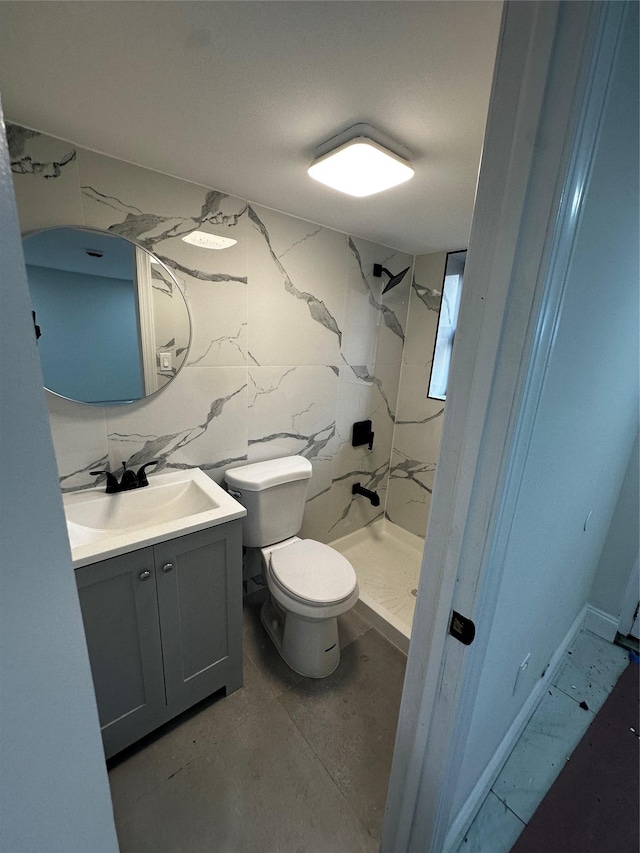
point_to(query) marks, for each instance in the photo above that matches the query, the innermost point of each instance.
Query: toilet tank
(273, 494)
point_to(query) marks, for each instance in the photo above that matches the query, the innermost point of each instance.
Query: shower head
(378, 269)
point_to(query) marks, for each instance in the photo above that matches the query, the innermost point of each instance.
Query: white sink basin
(102, 526)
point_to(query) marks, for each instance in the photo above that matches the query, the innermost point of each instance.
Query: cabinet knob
(144, 576)
(167, 567)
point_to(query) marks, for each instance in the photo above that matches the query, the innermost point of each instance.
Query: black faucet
(374, 497)
(129, 480)
(142, 474)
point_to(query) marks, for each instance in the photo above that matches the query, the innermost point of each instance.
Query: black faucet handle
(362, 434)
(112, 483)
(142, 474)
(129, 479)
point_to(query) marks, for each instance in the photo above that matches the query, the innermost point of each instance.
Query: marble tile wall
(292, 339)
(418, 421)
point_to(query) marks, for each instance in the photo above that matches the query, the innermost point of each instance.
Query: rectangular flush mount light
(208, 241)
(360, 167)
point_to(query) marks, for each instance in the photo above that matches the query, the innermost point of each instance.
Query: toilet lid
(313, 572)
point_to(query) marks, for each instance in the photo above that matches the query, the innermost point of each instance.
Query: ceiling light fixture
(208, 241)
(360, 162)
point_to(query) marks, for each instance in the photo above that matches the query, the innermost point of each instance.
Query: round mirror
(112, 323)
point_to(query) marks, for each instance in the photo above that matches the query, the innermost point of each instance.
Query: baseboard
(601, 623)
(471, 807)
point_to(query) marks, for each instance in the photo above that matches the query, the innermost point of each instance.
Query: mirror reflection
(114, 324)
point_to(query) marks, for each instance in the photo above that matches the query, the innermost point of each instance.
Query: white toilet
(310, 584)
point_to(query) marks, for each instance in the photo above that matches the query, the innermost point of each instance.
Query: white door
(635, 628)
(551, 84)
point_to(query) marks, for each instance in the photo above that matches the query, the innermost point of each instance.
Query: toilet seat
(312, 573)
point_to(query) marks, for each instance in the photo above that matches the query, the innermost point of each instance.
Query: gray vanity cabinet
(120, 614)
(164, 629)
(200, 605)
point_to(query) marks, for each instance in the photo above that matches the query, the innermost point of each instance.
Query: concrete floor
(285, 764)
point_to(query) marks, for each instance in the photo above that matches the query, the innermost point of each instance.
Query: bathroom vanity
(163, 622)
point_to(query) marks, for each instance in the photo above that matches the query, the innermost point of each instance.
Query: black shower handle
(362, 434)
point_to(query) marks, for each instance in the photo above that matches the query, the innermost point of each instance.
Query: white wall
(585, 427)
(620, 549)
(54, 793)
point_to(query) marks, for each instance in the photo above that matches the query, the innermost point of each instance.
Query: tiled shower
(292, 341)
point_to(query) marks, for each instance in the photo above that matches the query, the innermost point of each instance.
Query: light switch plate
(522, 668)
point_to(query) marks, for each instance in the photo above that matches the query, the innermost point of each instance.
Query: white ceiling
(236, 95)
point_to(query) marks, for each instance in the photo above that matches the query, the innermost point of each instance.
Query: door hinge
(462, 628)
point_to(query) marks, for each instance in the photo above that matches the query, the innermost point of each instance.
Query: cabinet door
(120, 614)
(200, 600)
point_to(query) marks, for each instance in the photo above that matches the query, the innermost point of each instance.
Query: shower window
(447, 322)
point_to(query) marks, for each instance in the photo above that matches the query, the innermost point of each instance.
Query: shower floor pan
(387, 562)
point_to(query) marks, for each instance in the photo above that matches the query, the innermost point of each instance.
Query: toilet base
(310, 648)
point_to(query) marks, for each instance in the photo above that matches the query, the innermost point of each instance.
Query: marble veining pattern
(410, 470)
(418, 421)
(361, 373)
(24, 163)
(424, 310)
(312, 444)
(80, 479)
(318, 311)
(45, 179)
(163, 446)
(291, 339)
(149, 229)
(290, 248)
(431, 298)
(372, 480)
(291, 410)
(388, 315)
(216, 345)
(181, 427)
(296, 292)
(416, 442)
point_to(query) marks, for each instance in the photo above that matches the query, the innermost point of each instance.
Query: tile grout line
(507, 807)
(325, 768)
(313, 751)
(567, 757)
(561, 690)
(202, 753)
(589, 710)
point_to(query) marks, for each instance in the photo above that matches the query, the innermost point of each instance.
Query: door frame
(626, 622)
(550, 82)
